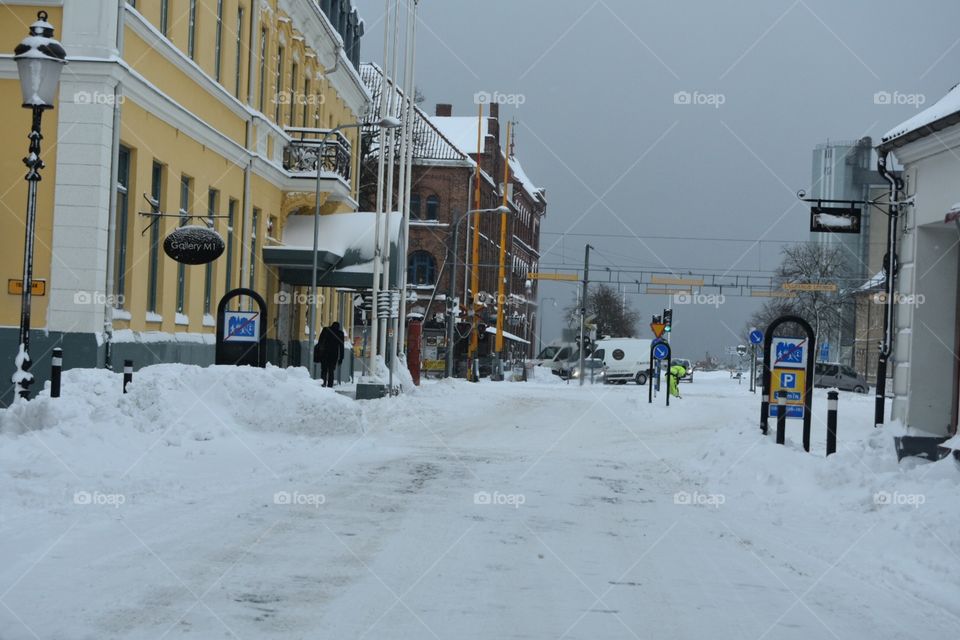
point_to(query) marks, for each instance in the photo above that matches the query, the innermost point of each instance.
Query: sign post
(242, 335)
(659, 351)
(756, 337)
(788, 368)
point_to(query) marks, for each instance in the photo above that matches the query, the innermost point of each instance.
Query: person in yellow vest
(676, 372)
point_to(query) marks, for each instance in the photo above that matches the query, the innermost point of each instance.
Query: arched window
(433, 208)
(415, 206)
(421, 269)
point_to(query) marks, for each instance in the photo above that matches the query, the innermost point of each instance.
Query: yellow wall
(14, 126)
(149, 138)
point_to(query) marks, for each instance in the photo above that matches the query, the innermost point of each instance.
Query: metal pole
(832, 401)
(781, 417)
(56, 366)
(475, 273)
(316, 247)
(583, 303)
(501, 267)
(22, 377)
(451, 289)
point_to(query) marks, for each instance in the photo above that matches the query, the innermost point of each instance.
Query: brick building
(445, 158)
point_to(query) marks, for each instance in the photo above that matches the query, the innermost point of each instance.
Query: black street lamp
(40, 60)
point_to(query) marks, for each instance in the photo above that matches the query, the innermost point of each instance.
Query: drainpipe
(886, 346)
(391, 160)
(108, 301)
(246, 257)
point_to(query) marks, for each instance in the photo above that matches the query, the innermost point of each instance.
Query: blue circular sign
(661, 351)
(756, 336)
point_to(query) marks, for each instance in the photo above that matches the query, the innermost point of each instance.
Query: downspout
(391, 161)
(108, 301)
(246, 257)
(886, 346)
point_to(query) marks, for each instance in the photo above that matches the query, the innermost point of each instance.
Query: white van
(624, 359)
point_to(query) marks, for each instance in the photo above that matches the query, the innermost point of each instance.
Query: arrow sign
(756, 336)
(660, 351)
(657, 328)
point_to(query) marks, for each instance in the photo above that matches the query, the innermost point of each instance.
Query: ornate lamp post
(40, 60)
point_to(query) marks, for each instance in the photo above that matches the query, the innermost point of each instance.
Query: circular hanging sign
(193, 244)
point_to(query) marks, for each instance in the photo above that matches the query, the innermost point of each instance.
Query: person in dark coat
(329, 352)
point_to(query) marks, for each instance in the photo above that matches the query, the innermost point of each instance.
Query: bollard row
(833, 398)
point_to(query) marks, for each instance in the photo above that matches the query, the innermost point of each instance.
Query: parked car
(592, 366)
(835, 375)
(686, 365)
(624, 359)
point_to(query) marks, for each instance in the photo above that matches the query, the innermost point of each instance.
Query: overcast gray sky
(600, 130)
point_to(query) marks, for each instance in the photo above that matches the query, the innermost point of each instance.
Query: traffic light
(667, 319)
(656, 319)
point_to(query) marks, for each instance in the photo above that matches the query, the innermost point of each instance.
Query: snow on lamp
(40, 59)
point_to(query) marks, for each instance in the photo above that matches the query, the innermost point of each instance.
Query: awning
(344, 251)
(508, 335)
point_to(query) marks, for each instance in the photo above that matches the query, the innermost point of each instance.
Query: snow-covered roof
(921, 123)
(532, 190)
(873, 283)
(462, 131)
(429, 143)
(507, 335)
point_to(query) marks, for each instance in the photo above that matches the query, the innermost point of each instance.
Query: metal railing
(313, 148)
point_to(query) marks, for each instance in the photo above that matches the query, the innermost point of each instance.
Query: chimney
(444, 110)
(495, 111)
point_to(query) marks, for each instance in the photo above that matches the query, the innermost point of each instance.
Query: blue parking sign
(788, 381)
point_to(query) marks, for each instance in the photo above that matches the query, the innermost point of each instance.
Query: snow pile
(188, 400)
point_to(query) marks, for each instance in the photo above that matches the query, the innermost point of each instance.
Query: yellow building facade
(173, 112)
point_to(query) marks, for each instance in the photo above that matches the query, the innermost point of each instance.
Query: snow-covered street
(495, 510)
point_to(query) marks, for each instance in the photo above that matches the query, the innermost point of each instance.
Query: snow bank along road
(229, 503)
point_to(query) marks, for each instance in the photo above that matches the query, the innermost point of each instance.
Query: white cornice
(931, 145)
(320, 36)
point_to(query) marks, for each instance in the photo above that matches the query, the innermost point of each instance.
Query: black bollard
(56, 366)
(127, 373)
(781, 417)
(832, 400)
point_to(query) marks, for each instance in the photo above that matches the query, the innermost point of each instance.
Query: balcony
(313, 149)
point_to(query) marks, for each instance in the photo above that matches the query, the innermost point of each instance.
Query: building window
(153, 273)
(263, 68)
(421, 269)
(192, 30)
(186, 186)
(433, 208)
(213, 200)
(278, 87)
(415, 206)
(294, 72)
(218, 41)
(231, 218)
(253, 249)
(239, 52)
(122, 224)
(164, 16)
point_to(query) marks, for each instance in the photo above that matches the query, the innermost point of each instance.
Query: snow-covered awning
(508, 335)
(945, 113)
(344, 252)
(876, 282)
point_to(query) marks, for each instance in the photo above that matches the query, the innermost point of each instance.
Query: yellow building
(190, 108)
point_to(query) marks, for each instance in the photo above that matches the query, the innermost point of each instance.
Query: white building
(927, 339)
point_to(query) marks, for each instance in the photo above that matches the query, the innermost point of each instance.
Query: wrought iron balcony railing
(313, 149)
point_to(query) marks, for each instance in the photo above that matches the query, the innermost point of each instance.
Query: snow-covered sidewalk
(221, 502)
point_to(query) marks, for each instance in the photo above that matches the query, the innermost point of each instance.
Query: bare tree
(611, 316)
(813, 264)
